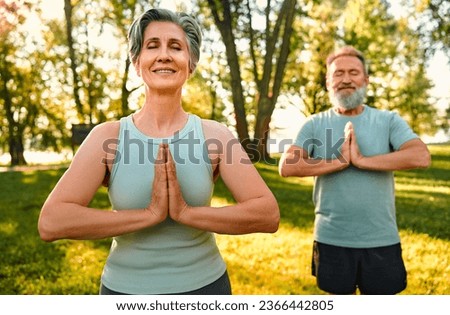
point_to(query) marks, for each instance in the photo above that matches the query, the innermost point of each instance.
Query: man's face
(347, 82)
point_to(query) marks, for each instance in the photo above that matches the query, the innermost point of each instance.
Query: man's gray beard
(351, 101)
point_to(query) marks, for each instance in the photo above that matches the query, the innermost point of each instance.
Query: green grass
(276, 263)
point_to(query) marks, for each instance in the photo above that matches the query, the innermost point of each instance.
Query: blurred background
(63, 64)
(64, 69)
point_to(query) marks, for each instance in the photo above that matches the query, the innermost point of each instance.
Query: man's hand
(345, 149)
(355, 155)
(159, 204)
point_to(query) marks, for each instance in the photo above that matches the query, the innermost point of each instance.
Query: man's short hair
(347, 51)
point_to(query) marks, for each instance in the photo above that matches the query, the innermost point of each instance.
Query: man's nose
(346, 78)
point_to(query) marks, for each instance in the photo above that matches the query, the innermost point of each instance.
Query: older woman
(161, 164)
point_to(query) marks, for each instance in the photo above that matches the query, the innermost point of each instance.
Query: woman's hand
(177, 204)
(159, 204)
(167, 198)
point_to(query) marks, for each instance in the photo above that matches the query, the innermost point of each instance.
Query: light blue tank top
(169, 257)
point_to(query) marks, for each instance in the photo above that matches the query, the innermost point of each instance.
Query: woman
(162, 163)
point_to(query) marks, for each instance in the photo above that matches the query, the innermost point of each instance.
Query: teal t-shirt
(354, 207)
(169, 257)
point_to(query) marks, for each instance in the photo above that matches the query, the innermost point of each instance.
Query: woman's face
(163, 63)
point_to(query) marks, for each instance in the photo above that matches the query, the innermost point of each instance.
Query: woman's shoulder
(108, 129)
(216, 130)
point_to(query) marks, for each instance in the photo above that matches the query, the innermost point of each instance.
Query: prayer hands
(167, 199)
(350, 149)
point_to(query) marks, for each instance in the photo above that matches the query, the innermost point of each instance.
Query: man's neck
(349, 112)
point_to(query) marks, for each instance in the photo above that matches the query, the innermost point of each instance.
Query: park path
(30, 168)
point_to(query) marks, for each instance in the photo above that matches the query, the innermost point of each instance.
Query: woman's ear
(137, 67)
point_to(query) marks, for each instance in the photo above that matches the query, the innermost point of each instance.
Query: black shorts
(342, 270)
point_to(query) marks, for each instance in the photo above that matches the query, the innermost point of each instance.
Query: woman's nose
(164, 55)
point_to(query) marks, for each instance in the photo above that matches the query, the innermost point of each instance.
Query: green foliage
(276, 263)
(38, 66)
(431, 21)
(314, 40)
(27, 110)
(396, 62)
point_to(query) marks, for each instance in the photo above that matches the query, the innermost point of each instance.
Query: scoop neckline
(180, 134)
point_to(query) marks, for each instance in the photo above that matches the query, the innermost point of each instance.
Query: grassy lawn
(276, 263)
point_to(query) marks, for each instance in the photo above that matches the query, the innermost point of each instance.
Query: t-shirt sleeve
(305, 137)
(400, 132)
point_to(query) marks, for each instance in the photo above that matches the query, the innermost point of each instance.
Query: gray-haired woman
(161, 164)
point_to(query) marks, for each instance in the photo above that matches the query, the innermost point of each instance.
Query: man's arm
(412, 154)
(296, 162)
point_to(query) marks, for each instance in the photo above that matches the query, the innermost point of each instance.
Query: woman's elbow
(272, 219)
(45, 233)
(46, 228)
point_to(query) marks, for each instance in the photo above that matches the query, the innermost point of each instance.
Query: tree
(11, 15)
(268, 50)
(120, 15)
(315, 37)
(394, 56)
(83, 23)
(68, 9)
(29, 115)
(416, 107)
(431, 22)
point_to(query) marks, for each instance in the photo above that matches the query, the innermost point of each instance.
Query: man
(352, 150)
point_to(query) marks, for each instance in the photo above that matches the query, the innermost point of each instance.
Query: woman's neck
(160, 116)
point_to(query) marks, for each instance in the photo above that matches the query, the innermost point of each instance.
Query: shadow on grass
(24, 255)
(29, 265)
(424, 212)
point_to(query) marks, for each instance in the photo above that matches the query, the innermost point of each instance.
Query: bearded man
(352, 151)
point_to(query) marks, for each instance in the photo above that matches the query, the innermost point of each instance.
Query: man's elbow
(282, 170)
(285, 168)
(425, 160)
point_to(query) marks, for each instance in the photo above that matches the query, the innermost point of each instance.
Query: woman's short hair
(188, 23)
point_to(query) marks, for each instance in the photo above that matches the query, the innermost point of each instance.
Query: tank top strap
(123, 122)
(198, 129)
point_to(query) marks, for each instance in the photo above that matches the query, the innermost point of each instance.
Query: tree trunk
(125, 92)
(262, 129)
(14, 136)
(73, 62)
(16, 150)
(270, 85)
(222, 18)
